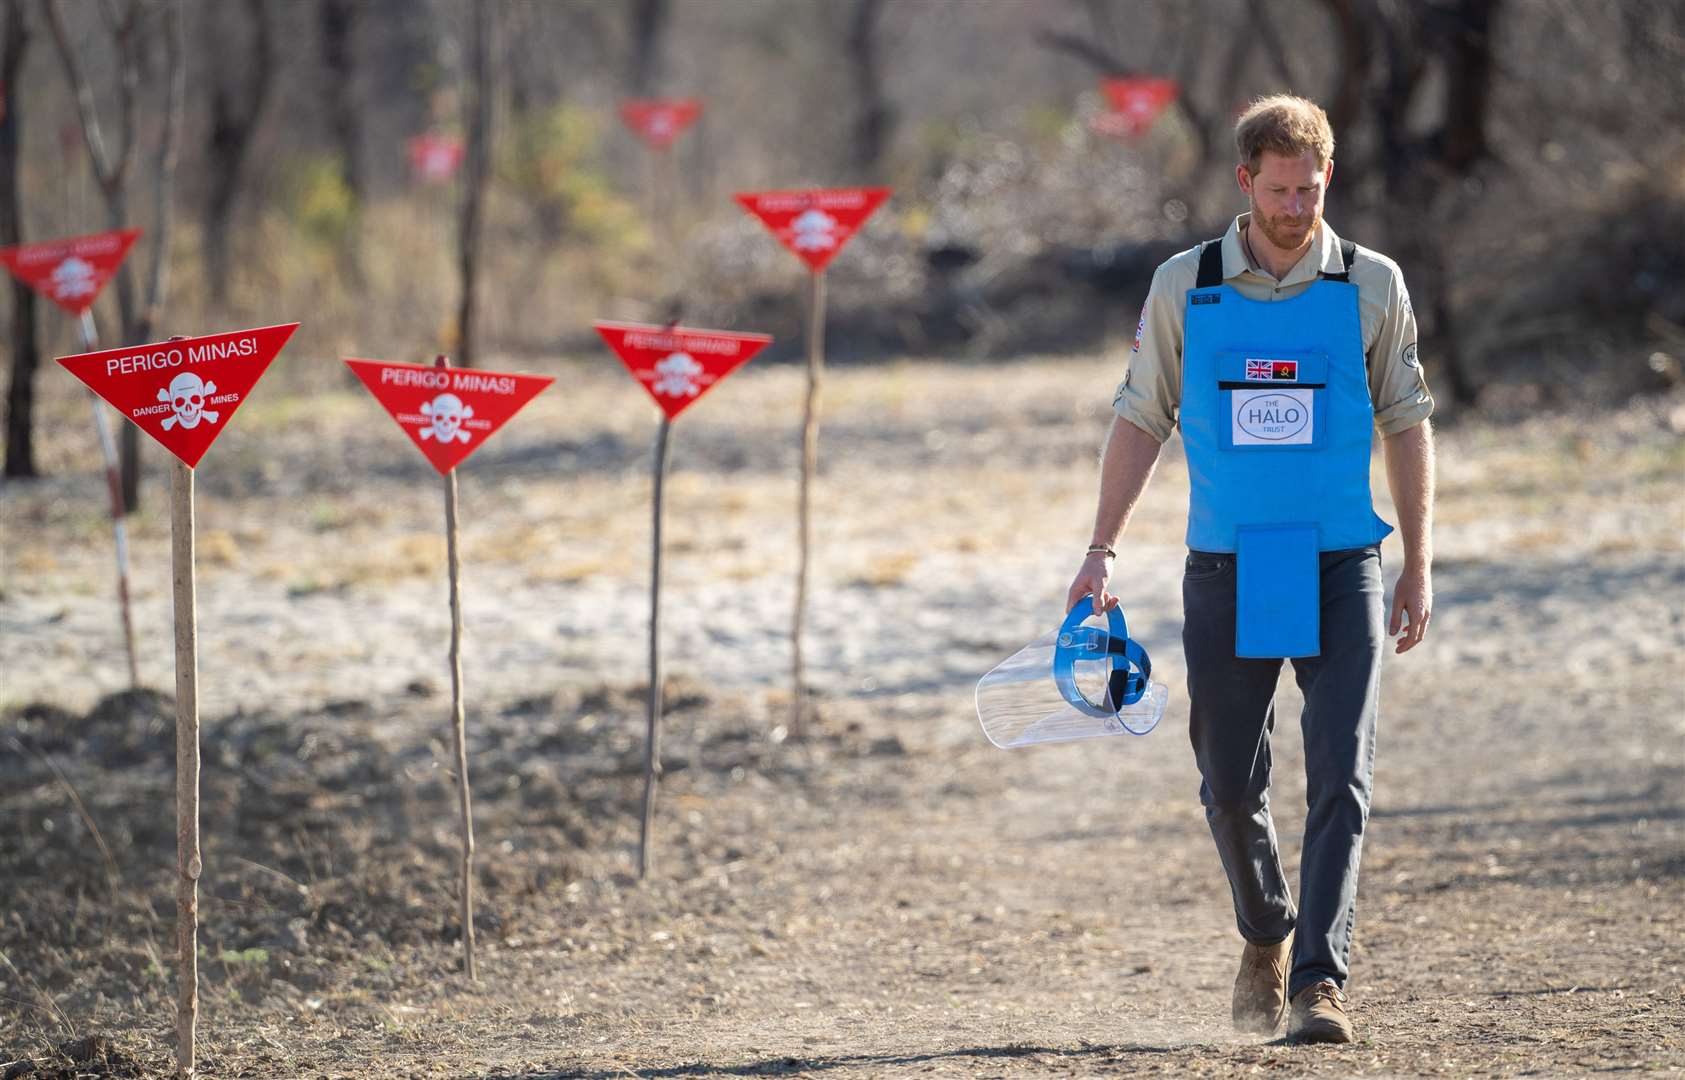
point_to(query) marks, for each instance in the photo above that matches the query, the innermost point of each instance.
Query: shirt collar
(1322, 258)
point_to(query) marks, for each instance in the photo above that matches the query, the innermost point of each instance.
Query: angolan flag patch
(1272, 371)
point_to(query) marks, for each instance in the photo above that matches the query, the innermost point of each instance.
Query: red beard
(1285, 232)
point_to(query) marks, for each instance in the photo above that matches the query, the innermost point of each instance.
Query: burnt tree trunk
(876, 118)
(239, 90)
(26, 349)
(649, 23)
(338, 21)
(1429, 169)
(1346, 102)
(476, 170)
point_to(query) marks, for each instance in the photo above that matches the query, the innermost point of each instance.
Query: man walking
(1276, 350)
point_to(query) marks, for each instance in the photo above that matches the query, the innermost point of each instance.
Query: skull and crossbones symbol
(187, 395)
(447, 413)
(676, 376)
(73, 278)
(814, 230)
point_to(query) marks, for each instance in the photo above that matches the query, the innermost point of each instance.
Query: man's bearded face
(1287, 197)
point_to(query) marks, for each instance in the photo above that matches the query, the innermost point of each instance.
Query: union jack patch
(1272, 370)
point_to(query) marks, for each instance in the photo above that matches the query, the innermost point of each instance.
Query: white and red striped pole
(114, 485)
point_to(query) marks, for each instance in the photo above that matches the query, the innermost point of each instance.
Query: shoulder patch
(1410, 358)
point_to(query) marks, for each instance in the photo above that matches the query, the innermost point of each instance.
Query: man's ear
(1243, 177)
(1328, 173)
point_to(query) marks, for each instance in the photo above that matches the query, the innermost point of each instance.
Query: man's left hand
(1412, 596)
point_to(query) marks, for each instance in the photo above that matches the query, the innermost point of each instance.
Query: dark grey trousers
(1232, 714)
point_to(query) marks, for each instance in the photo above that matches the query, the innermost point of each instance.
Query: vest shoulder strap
(1210, 264)
(1348, 255)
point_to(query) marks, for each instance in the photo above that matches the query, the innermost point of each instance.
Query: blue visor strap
(1130, 666)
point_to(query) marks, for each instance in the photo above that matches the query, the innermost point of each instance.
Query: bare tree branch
(1092, 53)
(876, 117)
(83, 92)
(128, 88)
(1346, 100)
(169, 149)
(1191, 48)
(112, 173)
(1273, 46)
(483, 25)
(649, 21)
(235, 111)
(1105, 27)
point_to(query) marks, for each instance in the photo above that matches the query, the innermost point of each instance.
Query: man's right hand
(1091, 581)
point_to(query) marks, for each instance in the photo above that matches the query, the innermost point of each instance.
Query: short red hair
(1285, 125)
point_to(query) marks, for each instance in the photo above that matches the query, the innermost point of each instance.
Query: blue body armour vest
(1277, 424)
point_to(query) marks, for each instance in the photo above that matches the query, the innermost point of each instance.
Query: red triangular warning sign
(435, 156)
(677, 366)
(447, 412)
(182, 392)
(658, 121)
(815, 224)
(70, 272)
(1136, 103)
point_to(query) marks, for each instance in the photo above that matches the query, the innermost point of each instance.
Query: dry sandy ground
(889, 896)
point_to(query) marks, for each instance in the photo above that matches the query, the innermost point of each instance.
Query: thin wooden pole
(188, 862)
(114, 489)
(652, 200)
(667, 183)
(459, 722)
(652, 740)
(810, 456)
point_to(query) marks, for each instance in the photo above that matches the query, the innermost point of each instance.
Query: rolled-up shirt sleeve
(1396, 384)
(1152, 386)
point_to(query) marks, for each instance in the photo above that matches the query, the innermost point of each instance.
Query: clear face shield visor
(1084, 680)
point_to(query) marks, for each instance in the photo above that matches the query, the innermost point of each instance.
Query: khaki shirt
(1151, 392)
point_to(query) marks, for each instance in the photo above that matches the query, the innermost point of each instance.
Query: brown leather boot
(1260, 990)
(1319, 1015)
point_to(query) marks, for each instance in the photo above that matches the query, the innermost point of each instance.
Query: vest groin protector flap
(1277, 593)
(1083, 681)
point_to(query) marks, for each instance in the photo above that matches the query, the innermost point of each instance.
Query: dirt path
(890, 897)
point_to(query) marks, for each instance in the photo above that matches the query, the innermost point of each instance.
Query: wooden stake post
(814, 224)
(676, 366)
(71, 273)
(189, 865)
(114, 489)
(459, 722)
(448, 414)
(183, 392)
(658, 123)
(652, 741)
(804, 518)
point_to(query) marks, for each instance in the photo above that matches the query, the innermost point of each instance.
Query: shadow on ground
(786, 1066)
